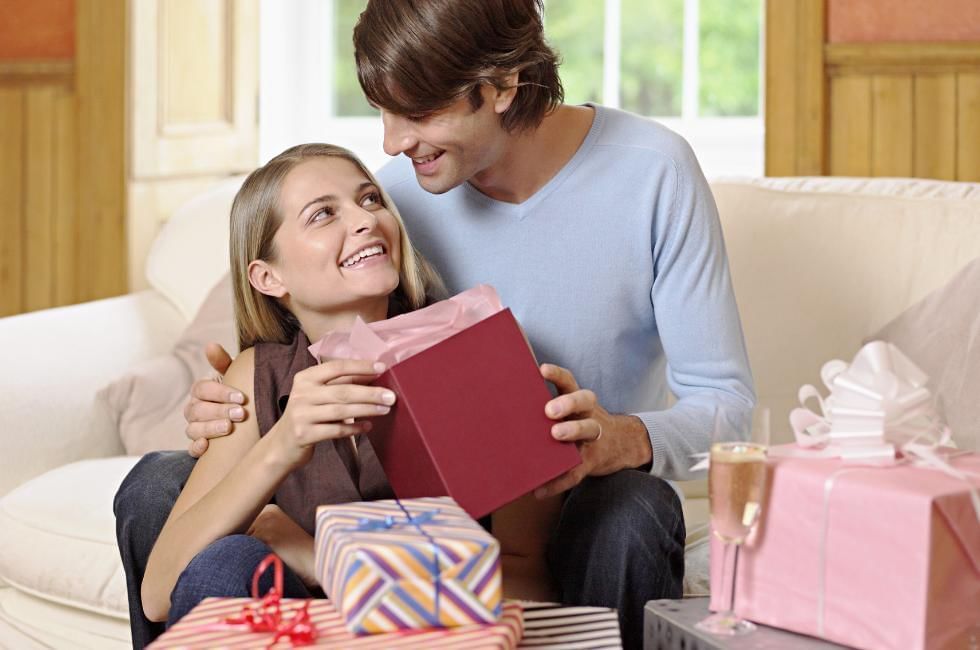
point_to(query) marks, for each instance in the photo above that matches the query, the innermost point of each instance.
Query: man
(598, 230)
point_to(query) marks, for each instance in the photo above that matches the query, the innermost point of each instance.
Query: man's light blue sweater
(617, 270)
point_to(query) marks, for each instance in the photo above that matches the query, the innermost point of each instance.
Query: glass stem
(731, 598)
(725, 551)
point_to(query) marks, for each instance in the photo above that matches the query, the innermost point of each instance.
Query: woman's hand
(326, 402)
(287, 540)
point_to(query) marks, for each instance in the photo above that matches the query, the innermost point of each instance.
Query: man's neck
(534, 157)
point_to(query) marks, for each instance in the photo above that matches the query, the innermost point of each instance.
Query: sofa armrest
(53, 362)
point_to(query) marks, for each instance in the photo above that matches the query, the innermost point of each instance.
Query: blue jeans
(225, 568)
(619, 541)
(142, 504)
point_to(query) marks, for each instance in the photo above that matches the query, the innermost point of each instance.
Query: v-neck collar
(526, 207)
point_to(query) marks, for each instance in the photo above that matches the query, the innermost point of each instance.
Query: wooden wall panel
(925, 109)
(65, 127)
(968, 127)
(935, 126)
(39, 191)
(850, 136)
(66, 229)
(892, 135)
(100, 83)
(37, 188)
(867, 108)
(11, 198)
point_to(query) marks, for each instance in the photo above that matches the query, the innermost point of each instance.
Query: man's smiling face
(452, 145)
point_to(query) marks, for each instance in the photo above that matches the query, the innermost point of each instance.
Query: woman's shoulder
(241, 372)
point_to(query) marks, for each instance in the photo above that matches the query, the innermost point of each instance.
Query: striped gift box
(549, 626)
(413, 564)
(203, 627)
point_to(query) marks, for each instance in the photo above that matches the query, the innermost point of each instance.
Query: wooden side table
(669, 625)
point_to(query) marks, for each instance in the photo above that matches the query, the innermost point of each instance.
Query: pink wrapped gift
(874, 557)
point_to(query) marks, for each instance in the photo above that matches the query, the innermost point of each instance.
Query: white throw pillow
(190, 253)
(147, 403)
(941, 334)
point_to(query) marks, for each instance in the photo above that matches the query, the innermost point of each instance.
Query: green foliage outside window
(574, 29)
(652, 46)
(729, 57)
(348, 98)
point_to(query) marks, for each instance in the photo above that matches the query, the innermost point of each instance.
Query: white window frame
(297, 105)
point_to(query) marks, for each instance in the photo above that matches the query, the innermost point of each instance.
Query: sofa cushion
(190, 254)
(146, 403)
(28, 622)
(53, 362)
(57, 532)
(819, 264)
(941, 334)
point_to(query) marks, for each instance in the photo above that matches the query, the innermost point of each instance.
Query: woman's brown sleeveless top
(335, 474)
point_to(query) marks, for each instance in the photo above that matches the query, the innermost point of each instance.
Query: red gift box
(469, 421)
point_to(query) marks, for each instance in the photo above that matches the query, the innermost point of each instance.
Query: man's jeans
(142, 504)
(619, 541)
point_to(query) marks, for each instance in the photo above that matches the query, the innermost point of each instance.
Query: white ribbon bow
(878, 407)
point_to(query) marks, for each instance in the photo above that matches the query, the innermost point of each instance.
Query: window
(692, 64)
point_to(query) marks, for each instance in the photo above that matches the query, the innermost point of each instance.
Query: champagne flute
(736, 486)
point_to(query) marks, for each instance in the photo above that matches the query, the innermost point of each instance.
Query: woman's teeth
(370, 251)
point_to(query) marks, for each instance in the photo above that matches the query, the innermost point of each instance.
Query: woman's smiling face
(338, 247)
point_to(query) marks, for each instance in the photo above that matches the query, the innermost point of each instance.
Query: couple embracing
(598, 229)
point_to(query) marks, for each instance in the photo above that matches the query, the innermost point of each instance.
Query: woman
(315, 242)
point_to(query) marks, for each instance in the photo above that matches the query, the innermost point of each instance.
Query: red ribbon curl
(266, 616)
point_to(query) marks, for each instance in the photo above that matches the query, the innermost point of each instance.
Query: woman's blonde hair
(255, 218)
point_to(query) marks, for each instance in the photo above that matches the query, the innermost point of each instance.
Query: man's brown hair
(415, 57)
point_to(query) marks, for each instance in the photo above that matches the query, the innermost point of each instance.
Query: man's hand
(607, 443)
(287, 540)
(213, 408)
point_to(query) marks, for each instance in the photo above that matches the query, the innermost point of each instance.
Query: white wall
(296, 75)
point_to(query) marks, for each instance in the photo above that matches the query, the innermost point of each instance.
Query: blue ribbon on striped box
(402, 576)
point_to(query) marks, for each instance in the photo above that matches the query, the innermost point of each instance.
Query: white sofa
(818, 264)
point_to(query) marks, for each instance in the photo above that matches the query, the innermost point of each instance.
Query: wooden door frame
(100, 86)
(795, 118)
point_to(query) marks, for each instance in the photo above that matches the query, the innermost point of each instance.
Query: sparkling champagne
(736, 482)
